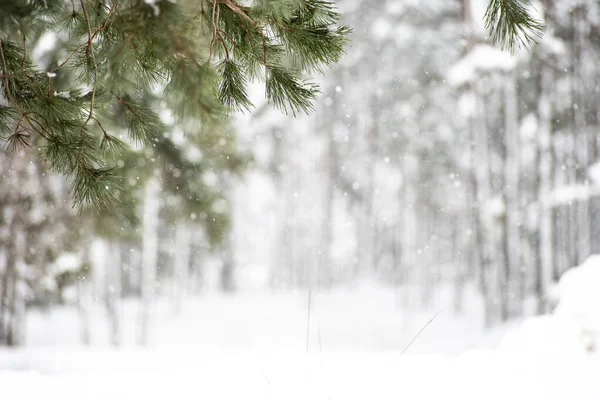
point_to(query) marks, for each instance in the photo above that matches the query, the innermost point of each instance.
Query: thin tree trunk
(228, 268)
(113, 291)
(580, 132)
(483, 186)
(4, 298)
(512, 239)
(181, 265)
(149, 257)
(544, 267)
(325, 262)
(16, 309)
(83, 296)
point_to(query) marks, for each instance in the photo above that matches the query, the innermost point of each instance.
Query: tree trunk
(512, 234)
(181, 265)
(325, 277)
(544, 266)
(580, 131)
(113, 291)
(149, 257)
(228, 268)
(484, 232)
(83, 295)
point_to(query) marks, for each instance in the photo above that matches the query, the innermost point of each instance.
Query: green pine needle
(112, 147)
(511, 25)
(288, 93)
(95, 186)
(8, 119)
(18, 141)
(232, 90)
(142, 122)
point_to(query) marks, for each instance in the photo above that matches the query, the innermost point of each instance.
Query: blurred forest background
(433, 160)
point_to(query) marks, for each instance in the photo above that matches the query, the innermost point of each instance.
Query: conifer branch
(511, 25)
(7, 91)
(121, 54)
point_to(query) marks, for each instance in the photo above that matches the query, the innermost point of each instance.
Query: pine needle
(511, 24)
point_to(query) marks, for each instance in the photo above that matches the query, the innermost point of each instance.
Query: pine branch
(511, 25)
(116, 58)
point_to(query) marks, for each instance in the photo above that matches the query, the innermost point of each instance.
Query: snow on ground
(364, 318)
(253, 346)
(574, 327)
(248, 375)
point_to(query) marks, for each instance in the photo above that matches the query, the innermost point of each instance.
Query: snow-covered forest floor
(252, 345)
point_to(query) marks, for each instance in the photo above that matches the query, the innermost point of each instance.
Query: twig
(68, 58)
(215, 23)
(41, 133)
(113, 11)
(236, 9)
(228, 37)
(106, 135)
(224, 45)
(421, 331)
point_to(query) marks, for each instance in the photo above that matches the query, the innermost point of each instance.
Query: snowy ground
(253, 346)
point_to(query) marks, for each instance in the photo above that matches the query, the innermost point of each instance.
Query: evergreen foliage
(511, 25)
(116, 57)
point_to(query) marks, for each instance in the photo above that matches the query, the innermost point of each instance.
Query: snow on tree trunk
(149, 257)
